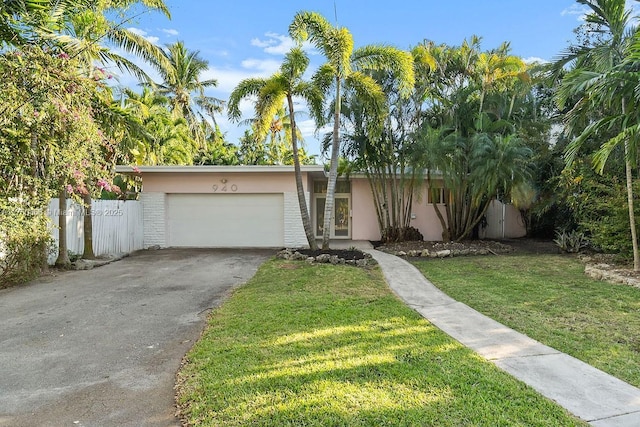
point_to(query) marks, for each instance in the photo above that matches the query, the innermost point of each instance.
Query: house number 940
(224, 188)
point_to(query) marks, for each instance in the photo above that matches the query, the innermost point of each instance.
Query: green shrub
(599, 204)
(571, 242)
(24, 242)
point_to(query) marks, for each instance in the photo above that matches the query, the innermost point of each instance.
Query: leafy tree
(69, 145)
(387, 158)
(345, 68)
(602, 86)
(180, 71)
(471, 113)
(161, 137)
(217, 151)
(271, 93)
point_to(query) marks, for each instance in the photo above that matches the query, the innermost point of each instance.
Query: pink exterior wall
(235, 182)
(365, 222)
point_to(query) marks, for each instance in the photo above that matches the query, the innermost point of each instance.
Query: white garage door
(225, 220)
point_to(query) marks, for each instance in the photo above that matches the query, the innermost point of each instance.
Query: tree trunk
(87, 225)
(446, 236)
(63, 255)
(632, 216)
(302, 201)
(333, 172)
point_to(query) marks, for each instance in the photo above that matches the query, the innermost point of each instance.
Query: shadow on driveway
(101, 347)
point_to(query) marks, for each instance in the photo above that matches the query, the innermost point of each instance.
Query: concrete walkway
(588, 393)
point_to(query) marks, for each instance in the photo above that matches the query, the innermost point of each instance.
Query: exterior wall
(365, 221)
(219, 183)
(154, 217)
(157, 185)
(294, 235)
(425, 218)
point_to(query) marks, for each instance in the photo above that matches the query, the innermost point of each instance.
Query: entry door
(341, 224)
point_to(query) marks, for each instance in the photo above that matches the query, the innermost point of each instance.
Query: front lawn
(322, 345)
(549, 298)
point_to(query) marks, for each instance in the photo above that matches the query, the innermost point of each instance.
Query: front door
(341, 224)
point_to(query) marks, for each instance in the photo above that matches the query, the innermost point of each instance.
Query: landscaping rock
(297, 256)
(443, 254)
(431, 249)
(608, 273)
(332, 256)
(323, 258)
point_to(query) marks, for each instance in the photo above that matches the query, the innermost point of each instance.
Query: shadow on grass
(331, 346)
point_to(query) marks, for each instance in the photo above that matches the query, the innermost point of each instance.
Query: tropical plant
(386, 158)
(54, 138)
(346, 68)
(571, 242)
(474, 171)
(181, 71)
(602, 86)
(271, 93)
(160, 137)
(471, 110)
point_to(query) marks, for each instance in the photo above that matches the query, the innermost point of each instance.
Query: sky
(248, 38)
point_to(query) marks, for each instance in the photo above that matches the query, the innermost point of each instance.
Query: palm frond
(246, 88)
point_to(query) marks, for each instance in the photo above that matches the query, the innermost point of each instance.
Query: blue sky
(247, 38)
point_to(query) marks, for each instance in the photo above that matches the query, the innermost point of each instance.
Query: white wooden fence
(117, 226)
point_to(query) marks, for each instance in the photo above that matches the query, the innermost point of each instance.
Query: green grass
(303, 345)
(550, 299)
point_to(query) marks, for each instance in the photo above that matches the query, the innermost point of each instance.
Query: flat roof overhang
(125, 169)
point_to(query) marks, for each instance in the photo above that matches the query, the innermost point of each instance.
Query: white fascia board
(215, 169)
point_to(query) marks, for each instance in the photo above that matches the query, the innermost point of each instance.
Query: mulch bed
(524, 245)
(345, 254)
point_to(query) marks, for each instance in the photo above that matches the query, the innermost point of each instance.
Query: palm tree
(498, 67)
(160, 138)
(271, 94)
(346, 67)
(181, 71)
(604, 81)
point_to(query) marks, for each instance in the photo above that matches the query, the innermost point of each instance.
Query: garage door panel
(225, 220)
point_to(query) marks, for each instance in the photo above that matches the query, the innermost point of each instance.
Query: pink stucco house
(257, 206)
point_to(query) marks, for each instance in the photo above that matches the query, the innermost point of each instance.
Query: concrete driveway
(101, 347)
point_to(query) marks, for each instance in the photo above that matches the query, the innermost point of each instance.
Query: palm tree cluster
(600, 93)
(475, 123)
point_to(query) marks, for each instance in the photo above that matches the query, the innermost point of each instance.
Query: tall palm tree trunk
(333, 172)
(632, 215)
(302, 201)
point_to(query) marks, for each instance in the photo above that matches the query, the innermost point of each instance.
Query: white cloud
(143, 33)
(534, 60)
(275, 44)
(278, 44)
(576, 10)
(170, 31)
(228, 78)
(262, 66)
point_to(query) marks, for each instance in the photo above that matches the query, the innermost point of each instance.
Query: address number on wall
(224, 188)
